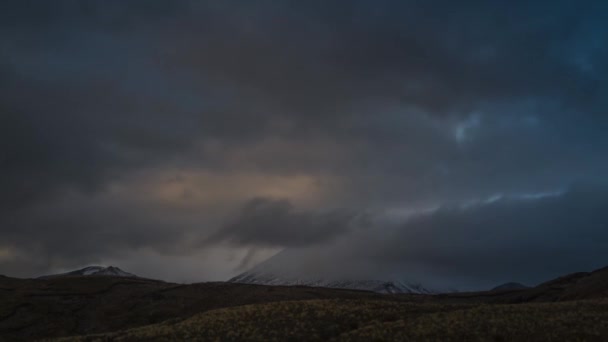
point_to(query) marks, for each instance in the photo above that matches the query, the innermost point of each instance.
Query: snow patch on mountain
(103, 271)
(379, 286)
(301, 267)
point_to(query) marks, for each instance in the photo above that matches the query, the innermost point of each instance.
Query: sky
(459, 143)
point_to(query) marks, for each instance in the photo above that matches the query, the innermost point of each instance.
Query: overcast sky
(441, 141)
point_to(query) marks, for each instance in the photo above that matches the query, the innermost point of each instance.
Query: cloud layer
(274, 223)
(473, 247)
(141, 127)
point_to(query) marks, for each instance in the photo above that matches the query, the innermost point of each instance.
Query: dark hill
(94, 271)
(62, 306)
(77, 305)
(586, 285)
(509, 286)
(575, 286)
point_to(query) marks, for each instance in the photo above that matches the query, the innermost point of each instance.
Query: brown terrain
(33, 309)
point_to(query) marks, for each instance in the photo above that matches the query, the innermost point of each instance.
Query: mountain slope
(583, 285)
(378, 286)
(509, 286)
(288, 268)
(102, 271)
(576, 286)
(373, 320)
(32, 309)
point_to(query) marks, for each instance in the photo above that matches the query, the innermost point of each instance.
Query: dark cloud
(527, 239)
(270, 222)
(177, 73)
(351, 104)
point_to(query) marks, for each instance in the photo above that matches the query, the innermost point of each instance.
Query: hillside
(36, 308)
(576, 286)
(369, 320)
(137, 308)
(283, 269)
(94, 271)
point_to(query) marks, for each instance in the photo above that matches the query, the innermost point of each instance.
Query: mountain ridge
(95, 271)
(373, 285)
(510, 286)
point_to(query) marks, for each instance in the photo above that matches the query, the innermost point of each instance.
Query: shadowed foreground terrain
(37, 308)
(109, 308)
(372, 320)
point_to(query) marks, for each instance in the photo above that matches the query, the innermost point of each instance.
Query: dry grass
(35, 309)
(371, 320)
(573, 321)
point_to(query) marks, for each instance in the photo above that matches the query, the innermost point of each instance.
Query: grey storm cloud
(125, 125)
(271, 222)
(116, 90)
(474, 247)
(528, 239)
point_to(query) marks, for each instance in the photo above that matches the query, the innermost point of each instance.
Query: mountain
(294, 267)
(378, 286)
(510, 286)
(576, 286)
(96, 271)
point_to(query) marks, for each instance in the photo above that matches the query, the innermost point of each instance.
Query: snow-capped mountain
(379, 286)
(325, 267)
(109, 271)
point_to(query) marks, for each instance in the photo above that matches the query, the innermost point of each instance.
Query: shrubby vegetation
(573, 321)
(374, 320)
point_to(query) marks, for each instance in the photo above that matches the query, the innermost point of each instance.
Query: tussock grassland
(374, 320)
